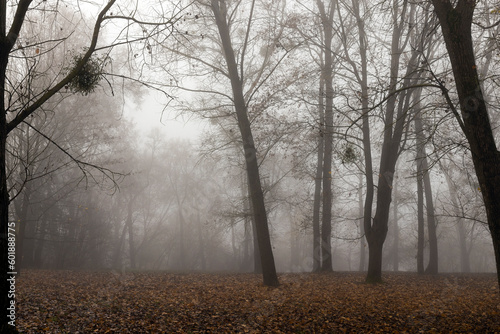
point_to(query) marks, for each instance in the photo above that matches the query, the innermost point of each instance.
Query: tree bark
(257, 196)
(456, 22)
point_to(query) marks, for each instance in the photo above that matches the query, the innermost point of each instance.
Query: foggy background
(134, 178)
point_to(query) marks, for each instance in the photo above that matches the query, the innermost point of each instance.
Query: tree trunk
(456, 28)
(420, 219)
(362, 247)
(395, 231)
(130, 228)
(423, 168)
(317, 184)
(7, 270)
(327, 76)
(393, 130)
(432, 266)
(257, 196)
(117, 257)
(461, 231)
(367, 149)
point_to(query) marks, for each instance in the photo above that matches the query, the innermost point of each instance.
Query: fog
(154, 167)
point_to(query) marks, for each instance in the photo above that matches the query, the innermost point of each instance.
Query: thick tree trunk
(456, 28)
(257, 196)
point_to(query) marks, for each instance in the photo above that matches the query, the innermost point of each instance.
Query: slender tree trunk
(362, 247)
(259, 210)
(362, 78)
(432, 266)
(317, 184)
(395, 230)
(456, 28)
(461, 231)
(201, 242)
(130, 228)
(327, 76)
(420, 219)
(117, 258)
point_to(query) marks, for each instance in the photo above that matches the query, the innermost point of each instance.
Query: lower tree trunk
(395, 232)
(461, 231)
(375, 254)
(378, 231)
(362, 244)
(257, 263)
(117, 257)
(432, 266)
(420, 221)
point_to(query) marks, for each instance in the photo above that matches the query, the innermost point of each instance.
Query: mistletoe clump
(88, 78)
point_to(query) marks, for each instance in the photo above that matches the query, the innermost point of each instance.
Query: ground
(110, 302)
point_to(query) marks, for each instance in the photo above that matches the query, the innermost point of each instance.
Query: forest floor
(108, 302)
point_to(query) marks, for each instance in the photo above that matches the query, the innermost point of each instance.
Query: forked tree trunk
(456, 22)
(376, 232)
(423, 170)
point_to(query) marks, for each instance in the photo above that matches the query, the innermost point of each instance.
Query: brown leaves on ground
(84, 302)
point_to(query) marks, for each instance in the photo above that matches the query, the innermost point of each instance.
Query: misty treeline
(337, 137)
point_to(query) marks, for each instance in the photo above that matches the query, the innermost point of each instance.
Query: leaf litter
(110, 302)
